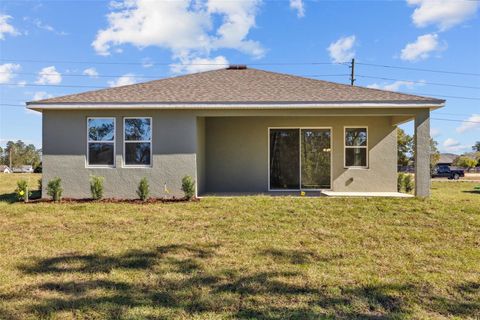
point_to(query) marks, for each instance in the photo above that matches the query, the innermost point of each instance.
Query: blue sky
(52, 48)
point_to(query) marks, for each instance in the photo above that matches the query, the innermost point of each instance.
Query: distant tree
(476, 146)
(2, 156)
(404, 147)
(434, 153)
(18, 153)
(465, 162)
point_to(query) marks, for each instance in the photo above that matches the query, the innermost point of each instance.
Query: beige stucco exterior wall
(174, 144)
(237, 152)
(201, 143)
(225, 150)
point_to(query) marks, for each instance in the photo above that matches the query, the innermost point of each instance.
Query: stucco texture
(65, 144)
(237, 152)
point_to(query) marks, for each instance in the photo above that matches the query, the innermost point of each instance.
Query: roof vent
(237, 67)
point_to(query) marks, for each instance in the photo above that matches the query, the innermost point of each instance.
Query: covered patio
(249, 153)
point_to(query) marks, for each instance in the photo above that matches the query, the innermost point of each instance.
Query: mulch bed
(115, 200)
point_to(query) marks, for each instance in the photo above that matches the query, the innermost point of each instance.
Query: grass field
(247, 257)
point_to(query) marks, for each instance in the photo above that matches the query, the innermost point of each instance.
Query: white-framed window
(100, 142)
(137, 141)
(356, 147)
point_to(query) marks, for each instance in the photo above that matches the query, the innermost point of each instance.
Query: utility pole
(10, 156)
(352, 74)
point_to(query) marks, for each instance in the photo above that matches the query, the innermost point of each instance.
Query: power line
(421, 82)
(51, 85)
(455, 120)
(446, 96)
(453, 114)
(227, 64)
(147, 62)
(137, 76)
(418, 69)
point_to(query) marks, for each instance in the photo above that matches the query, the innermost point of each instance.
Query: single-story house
(447, 159)
(5, 169)
(235, 130)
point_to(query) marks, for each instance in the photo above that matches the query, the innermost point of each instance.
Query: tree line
(406, 147)
(16, 154)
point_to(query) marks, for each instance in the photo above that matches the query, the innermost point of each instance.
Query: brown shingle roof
(238, 86)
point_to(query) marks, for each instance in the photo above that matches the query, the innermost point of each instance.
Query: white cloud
(41, 25)
(40, 95)
(49, 75)
(421, 48)
(452, 145)
(299, 6)
(442, 13)
(91, 72)
(434, 132)
(395, 86)
(44, 26)
(7, 71)
(472, 123)
(22, 83)
(193, 65)
(238, 19)
(144, 23)
(124, 80)
(5, 27)
(342, 49)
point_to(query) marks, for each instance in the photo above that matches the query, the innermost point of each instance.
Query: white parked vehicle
(23, 169)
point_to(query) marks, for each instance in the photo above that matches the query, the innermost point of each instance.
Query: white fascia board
(232, 106)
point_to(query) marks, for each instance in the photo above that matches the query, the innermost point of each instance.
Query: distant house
(5, 169)
(23, 169)
(447, 158)
(234, 130)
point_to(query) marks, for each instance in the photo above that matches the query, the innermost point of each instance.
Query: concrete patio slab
(367, 194)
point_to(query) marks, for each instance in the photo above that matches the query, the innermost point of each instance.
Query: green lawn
(247, 257)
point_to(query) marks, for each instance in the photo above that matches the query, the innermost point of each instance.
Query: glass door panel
(284, 159)
(315, 158)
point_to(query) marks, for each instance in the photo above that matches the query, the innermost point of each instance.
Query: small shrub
(408, 183)
(54, 189)
(143, 189)
(22, 190)
(188, 187)
(400, 181)
(96, 187)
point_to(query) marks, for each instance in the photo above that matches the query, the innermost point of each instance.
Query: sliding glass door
(284, 159)
(315, 158)
(299, 159)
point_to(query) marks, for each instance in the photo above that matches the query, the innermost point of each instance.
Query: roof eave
(431, 104)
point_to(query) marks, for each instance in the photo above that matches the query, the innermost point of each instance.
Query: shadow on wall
(175, 279)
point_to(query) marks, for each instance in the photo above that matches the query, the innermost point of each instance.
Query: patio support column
(422, 153)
